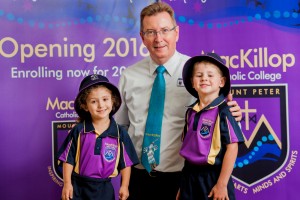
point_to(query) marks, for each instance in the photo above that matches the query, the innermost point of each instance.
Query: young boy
(97, 147)
(211, 134)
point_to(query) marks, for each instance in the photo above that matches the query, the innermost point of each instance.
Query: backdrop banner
(47, 47)
(258, 40)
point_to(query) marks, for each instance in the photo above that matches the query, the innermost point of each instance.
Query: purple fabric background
(227, 27)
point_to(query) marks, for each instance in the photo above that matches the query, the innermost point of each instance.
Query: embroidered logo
(110, 152)
(204, 131)
(94, 77)
(205, 127)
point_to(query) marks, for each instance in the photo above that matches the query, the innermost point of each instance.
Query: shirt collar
(220, 99)
(170, 65)
(112, 130)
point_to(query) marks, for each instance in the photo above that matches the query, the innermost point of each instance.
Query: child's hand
(123, 193)
(178, 195)
(67, 192)
(219, 192)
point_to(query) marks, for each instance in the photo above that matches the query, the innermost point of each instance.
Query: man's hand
(234, 108)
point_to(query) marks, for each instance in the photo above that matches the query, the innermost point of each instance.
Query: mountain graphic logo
(265, 129)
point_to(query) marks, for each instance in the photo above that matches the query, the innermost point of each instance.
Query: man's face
(162, 45)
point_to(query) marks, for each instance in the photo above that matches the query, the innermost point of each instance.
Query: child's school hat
(210, 57)
(96, 79)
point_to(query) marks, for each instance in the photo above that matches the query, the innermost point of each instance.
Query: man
(159, 33)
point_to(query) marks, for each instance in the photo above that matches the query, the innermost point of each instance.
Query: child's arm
(67, 192)
(125, 177)
(219, 191)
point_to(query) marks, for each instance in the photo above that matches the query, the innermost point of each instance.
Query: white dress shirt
(135, 87)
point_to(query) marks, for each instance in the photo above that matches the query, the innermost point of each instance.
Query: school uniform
(96, 158)
(205, 136)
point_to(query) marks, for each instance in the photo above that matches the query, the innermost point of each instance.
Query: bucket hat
(96, 79)
(213, 58)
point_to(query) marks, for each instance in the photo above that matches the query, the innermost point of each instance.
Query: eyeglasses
(153, 33)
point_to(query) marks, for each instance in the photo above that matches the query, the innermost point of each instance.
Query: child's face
(99, 103)
(207, 79)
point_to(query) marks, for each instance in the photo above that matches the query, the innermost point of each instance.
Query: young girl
(97, 147)
(211, 134)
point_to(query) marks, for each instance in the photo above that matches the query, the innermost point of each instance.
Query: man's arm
(234, 108)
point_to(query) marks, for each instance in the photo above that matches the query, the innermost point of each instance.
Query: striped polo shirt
(98, 156)
(208, 131)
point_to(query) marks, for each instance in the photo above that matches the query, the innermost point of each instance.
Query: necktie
(151, 143)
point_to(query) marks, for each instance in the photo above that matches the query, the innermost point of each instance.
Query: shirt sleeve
(128, 155)
(185, 128)
(121, 116)
(230, 129)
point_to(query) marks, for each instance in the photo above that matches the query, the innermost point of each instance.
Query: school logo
(180, 82)
(110, 152)
(264, 125)
(60, 130)
(205, 127)
(204, 131)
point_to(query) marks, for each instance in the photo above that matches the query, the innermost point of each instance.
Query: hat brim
(188, 70)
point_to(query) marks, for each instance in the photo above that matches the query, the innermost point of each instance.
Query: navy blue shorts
(197, 182)
(86, 188)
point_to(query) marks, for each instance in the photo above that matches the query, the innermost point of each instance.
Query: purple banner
(47, 47)
(257, 39)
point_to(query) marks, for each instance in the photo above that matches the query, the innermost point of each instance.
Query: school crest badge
(110, 152)
(265, 129)
(60, 130)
